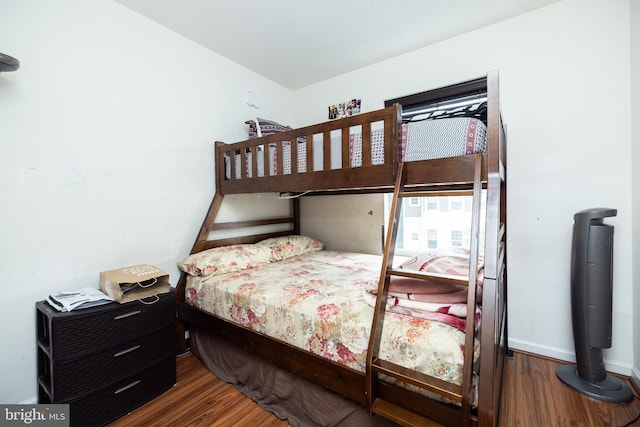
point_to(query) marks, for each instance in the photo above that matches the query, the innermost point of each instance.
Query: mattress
(321, 302)
(421, 140)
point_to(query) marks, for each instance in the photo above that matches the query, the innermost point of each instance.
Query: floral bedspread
(318, 302)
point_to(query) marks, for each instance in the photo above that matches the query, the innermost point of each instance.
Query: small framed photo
(345, 109)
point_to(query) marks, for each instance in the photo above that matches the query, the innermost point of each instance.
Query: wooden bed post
(295, 205)
(201, 244)
(494, 308)
(181, 341)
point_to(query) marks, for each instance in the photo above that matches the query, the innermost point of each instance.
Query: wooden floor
(532, 396)
(199, 399)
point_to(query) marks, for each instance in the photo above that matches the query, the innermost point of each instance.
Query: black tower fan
(591, 305)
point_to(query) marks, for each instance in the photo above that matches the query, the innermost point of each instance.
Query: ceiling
(297, 43)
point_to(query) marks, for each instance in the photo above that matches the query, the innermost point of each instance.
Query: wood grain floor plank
(532, 397)
(199, 399)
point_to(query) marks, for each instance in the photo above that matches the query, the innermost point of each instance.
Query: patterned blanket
(319, 302)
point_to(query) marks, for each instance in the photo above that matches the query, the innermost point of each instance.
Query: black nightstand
(107, 360)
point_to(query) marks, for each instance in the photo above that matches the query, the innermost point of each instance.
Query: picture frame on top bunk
(317, 172)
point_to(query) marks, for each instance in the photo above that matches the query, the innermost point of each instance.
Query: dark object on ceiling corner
(8, 63)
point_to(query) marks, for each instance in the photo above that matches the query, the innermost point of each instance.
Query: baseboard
(635, 378)
(563, 355)
(31, 401)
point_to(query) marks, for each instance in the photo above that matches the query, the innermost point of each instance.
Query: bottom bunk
(289, 396)
(310, 311)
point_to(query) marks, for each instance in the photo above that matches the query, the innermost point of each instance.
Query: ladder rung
(418, 379)
(400, 415)
(444, 278)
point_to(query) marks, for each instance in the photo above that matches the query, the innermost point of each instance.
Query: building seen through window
(435, 222)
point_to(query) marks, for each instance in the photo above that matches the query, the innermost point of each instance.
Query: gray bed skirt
(288, 396)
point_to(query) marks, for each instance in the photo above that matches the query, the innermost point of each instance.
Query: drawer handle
(123, 316)
(127, 387)
(129, 350)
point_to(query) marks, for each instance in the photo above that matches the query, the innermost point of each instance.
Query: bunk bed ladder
(396, 411)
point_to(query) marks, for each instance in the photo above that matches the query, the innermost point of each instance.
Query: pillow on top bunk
(281, 248)
(253, 128)
(225, 259)
(262, 127)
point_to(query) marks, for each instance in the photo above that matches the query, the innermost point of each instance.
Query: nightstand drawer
(66, 380)
(67, 336)
(107, 404)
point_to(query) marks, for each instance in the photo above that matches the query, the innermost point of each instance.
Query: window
(423, 105)
(432, 239)
(432, 203)
(456, 203)
(456, 238)
(441, 221)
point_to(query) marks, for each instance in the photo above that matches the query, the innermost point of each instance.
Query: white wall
(352, 224)
(106, 153)
(565, 84)
(635, 132)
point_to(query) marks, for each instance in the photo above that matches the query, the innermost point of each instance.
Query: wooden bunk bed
(286, 162)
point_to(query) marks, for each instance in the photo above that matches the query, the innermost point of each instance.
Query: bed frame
(439, 175)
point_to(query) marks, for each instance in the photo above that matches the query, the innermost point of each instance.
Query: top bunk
(437, 134)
